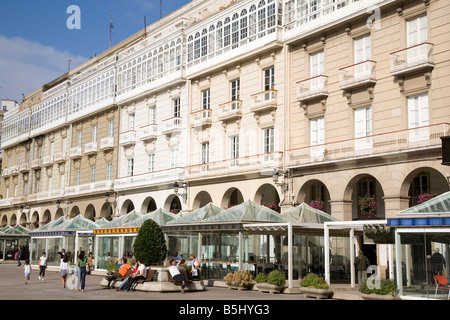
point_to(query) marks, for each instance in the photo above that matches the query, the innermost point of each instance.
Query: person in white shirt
(42, 266)
(64, 268)
(140, 274)
(27, 270)
(176, 274)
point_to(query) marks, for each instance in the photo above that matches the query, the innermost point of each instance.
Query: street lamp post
(66, 209)
(183, 195)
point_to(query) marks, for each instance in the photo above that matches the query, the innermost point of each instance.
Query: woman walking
(64, 269)
(81, 263)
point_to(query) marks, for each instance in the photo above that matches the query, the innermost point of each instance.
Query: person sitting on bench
(118, 274)
(140, 274)
(176, 274)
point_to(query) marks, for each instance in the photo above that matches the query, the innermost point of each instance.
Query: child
(42, 266)
(27, 270)
(64, 269)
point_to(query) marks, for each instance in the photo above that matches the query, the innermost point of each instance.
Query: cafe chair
(441, 284)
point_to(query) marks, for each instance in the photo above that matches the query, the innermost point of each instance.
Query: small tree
(150, 244)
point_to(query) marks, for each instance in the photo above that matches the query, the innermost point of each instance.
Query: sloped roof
(160, 216)
(51, 225)
(248, 211)
(439, 204)
(197, 215)
(122, 220)
(16, 230)
(307, 214)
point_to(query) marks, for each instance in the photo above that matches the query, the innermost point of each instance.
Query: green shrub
(111, 267)
(313, 281)
(261, 278)
(386, 287)
(276, 278)
(150, 244)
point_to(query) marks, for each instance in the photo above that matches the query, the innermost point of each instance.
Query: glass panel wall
(54, 245)
(108, 251)
(424, 257)
(128, 251)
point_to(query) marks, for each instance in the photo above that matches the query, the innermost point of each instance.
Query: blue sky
(35, 42)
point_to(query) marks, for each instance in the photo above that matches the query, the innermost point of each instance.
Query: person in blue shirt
(19, 255)
(178, 258)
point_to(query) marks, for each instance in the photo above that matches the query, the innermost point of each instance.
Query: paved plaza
(13, 288)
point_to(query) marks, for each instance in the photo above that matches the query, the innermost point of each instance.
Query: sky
(38, 37)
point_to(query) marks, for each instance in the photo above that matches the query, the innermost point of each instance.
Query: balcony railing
(202, 117)
(107, 143)
(47, 161)
(60, 157)
(148, 132)
(127, 138)
(412, 58)
(90, 148)
(99, 186)
(260, 162)
(145, 179)
(230, 110)
(312, 88)
(378, 144)
(36, 163)
(24, 167)
(75, 152)
(265, 100)
(171, 125)
(357, 74)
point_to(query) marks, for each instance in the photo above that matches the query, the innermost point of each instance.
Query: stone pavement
(12, 287)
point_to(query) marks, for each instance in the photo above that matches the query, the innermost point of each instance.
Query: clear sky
(36, 41)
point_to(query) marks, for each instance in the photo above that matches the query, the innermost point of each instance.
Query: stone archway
(59, 213)
(201, 200)
(4, 222)
(89, 213)
(106, 211)
(127, 207)
(422, 181)
(267, 195)
(173, 204)
(364, 185)
(74, 211)
(46, 217)
(232, 197)
(315, 193)
(148, 205)
(34, 220)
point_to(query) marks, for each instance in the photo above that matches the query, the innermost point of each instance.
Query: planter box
(267, 287)
(373, 296)
(238, 287)
(317, 293)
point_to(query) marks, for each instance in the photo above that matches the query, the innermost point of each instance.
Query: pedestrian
(62, 253)
(81, 263)
(177, 257)
(19, 255)
(362, 263)
(27, 267)
(194, 266)
(42, 266)
(64, 268)
(438, 261)
(90, 263)
(140, 274)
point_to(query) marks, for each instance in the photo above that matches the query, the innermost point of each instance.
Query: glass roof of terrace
(17, 230)
(122, 220)
(197, 215)
(439, 204)
(160, 216)
(63, 226)
(307, 214)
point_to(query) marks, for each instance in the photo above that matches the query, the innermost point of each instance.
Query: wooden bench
(183, 272)
(149, 277)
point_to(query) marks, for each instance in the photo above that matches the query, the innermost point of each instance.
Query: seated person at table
(176, 274)
(118, 274)
(140, 274)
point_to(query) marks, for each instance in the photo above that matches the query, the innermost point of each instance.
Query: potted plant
(317, 204)
(240, 280)
(368, 206)
(385, 289)
(421, 198)
(274, 282)
(315, 286)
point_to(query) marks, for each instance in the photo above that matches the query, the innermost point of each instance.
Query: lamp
(66, 209)
(276, 175)
(176, 187)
